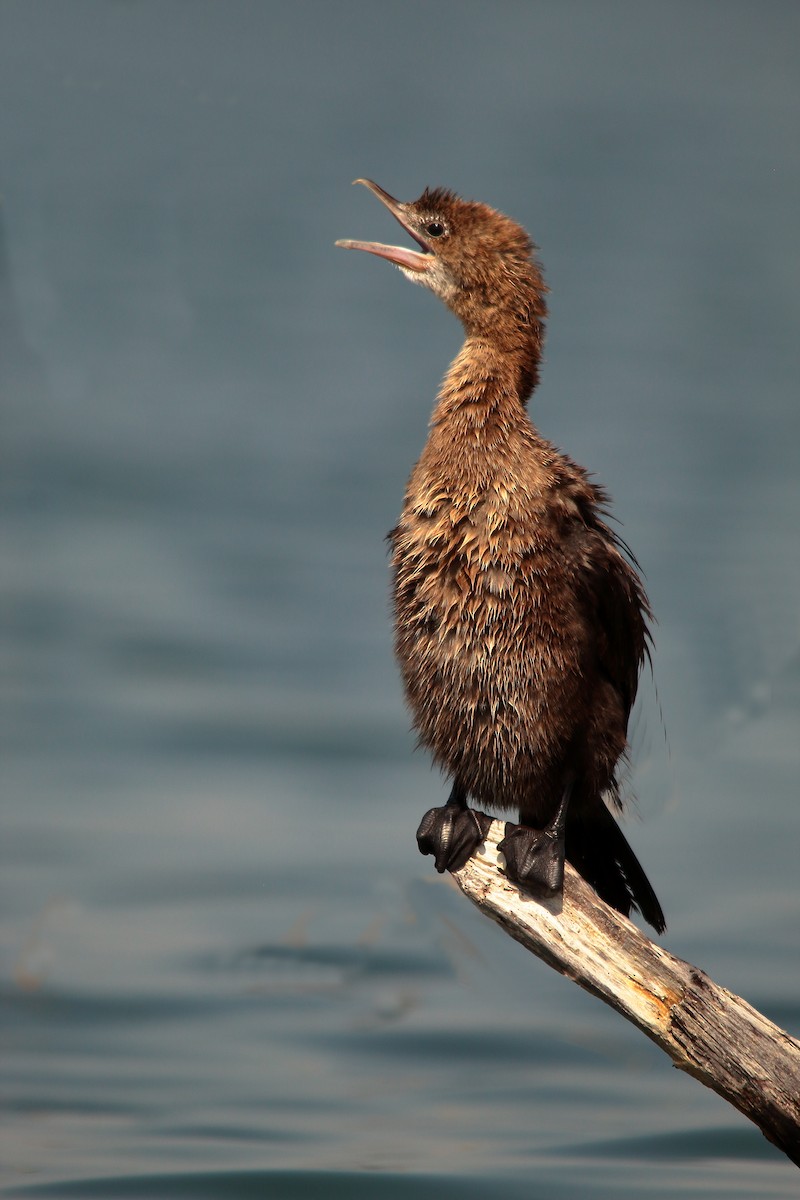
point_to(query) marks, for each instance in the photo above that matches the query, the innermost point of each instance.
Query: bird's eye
(434, 229)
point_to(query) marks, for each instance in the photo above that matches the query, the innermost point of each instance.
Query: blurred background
(224, 968)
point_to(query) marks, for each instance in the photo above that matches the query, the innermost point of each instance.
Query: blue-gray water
(224, 969)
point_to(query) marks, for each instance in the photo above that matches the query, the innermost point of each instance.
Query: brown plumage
(520, 624)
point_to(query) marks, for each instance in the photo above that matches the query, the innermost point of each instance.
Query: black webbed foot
(534, 858)
(452, 834)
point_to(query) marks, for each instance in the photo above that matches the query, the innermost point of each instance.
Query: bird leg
(535, 857)
(453, 832)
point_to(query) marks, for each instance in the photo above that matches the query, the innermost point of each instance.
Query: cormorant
(521, 624)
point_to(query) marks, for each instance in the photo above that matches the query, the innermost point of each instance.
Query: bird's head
(479, 262)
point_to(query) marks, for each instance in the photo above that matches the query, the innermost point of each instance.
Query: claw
(534, 858)
(452, 835)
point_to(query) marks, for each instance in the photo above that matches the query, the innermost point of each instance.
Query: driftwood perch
(705, 1029)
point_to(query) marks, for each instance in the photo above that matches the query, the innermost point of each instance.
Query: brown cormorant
(520, 620)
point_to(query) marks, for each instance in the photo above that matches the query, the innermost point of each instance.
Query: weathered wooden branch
(705, 1029)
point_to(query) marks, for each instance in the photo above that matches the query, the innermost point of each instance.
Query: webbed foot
(534, 858)
(452, 835)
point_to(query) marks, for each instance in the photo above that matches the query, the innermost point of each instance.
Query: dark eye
(434, 229)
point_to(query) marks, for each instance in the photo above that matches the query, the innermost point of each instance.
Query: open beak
(410, 260)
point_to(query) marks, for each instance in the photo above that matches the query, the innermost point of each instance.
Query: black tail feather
(597, 849)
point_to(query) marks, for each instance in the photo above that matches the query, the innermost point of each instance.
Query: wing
(613, 596)
(622, 613)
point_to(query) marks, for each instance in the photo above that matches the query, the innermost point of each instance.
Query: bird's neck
(491, 377)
